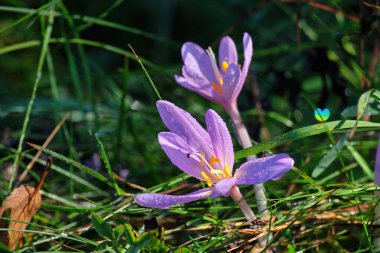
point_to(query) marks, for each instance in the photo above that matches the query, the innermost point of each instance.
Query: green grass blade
(330, 157)
(40, 65)
(146, 73)
(116, 50)
(107, 164)
(360, 160)
(334, 126)
(73, 163)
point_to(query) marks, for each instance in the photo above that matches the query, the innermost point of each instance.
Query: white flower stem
(245, 142)
(238, 198)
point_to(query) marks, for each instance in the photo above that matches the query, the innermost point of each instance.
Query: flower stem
(245, 142)
(238, 198)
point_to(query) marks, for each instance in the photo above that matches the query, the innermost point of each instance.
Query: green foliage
(123, 238)
(73, 56)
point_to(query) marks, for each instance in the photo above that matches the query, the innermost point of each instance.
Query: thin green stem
(146, 73)
(44, 50)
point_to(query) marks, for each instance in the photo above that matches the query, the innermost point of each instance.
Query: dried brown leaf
(23, 203)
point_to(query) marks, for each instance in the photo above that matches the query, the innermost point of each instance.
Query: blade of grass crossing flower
(45, 43)
(146, 73)
(107, 163)
(297, 134)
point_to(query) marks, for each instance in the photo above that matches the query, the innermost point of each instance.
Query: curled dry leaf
(23, 203)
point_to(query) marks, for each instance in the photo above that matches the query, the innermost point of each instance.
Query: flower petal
(183, 124)
(231, 82)
(223, 187)
(191, 84)
(196, 57)
(220, 139)
(248, 51)
(377, 164)
(164, 201)
(177, 150)
(263, 169)
(227, 51)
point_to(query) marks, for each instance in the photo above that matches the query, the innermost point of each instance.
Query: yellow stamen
(217, 87)
(220, 81)
(217, 172)
(208, 180)
(224, 66)
(203, 160)
(227, 171)
(214, 160)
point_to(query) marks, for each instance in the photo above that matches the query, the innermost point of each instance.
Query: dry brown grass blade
(46, 143)
(23, 203)
(372, 6)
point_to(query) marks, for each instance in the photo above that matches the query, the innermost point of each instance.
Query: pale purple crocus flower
(377, 164)
(220, 82)
(208, 156)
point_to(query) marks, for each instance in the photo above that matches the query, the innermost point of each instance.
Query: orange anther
(216, 87)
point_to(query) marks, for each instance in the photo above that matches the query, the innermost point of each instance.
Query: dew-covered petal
(164, 201)
(231, 82)
(263, 169)
(184, 125)
(220, 139)
(178, 152)
(196, 57)
(227, 52)
(248, 51)
(203, 90)
(223, 187)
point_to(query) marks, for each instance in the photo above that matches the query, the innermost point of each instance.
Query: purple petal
(231, 82)
(223, 187)
(184, 125)
(221, 139)
(227, 51)
(248, 51)
(263, 169)
(377, 164)
(196, 57)
(177, 150)
(201, 87)
(164, 201)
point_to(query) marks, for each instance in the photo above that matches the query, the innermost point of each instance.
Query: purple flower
(220, 83)
(208, 156)
(377, 164)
